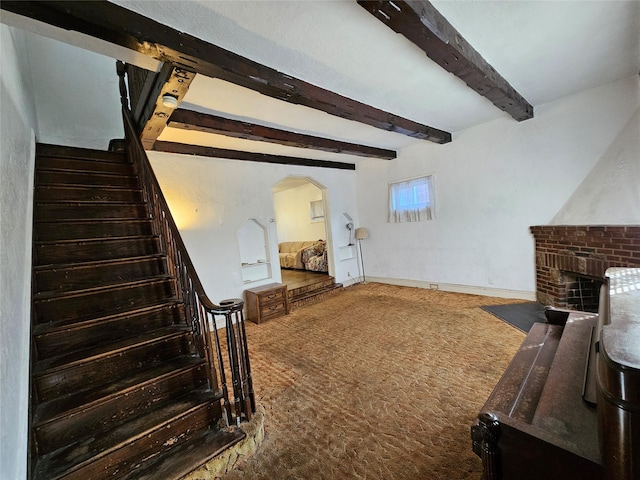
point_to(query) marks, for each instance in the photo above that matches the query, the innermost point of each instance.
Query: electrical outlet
(433, 286)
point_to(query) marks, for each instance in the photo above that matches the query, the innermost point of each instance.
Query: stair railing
(200, 312)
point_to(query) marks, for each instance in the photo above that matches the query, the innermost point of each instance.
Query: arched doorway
(302, 216)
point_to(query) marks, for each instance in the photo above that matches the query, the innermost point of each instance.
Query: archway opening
(302, 226)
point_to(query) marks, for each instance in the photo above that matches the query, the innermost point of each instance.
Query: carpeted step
(314, 296)
(297, 292)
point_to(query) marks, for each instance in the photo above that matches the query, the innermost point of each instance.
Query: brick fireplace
(571, 261)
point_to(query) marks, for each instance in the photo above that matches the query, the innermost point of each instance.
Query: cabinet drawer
(267, 298)
(276, 309)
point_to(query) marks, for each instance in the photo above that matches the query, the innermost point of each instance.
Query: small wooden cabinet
(267, 301)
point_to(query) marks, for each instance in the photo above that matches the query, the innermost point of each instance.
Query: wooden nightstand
(267, 301)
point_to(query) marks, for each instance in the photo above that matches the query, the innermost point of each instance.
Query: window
(412, 200)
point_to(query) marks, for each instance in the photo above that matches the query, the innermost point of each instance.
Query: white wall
(17, 153)
(76, 93)
(293, 214)
(611, 192)
(492, 183)
(211, 198)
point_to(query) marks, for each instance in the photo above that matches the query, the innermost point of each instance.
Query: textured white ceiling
(545, 49)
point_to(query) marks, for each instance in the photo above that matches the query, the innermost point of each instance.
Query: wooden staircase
(118, 387)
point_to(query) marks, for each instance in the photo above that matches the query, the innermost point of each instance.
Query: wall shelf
(254, 253)
(253, 272)
(347, 252)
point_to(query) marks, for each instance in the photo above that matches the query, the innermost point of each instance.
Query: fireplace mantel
(586, 250)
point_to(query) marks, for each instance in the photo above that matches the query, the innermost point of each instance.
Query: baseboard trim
(452, 287)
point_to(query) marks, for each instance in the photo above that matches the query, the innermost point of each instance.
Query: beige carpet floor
(379, 382)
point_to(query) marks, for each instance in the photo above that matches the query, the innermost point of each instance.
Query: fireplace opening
(583, 292)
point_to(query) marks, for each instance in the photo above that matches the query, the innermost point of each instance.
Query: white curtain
(411, 200)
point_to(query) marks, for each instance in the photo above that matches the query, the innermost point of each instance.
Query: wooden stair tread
(56, 252)
(72, 457)
(70, 359)
(84, 178)
(47, 177)
(89, 186)
(187, 457)
(62, 169)
(85, 264)
(64, 278)
(92, 240)
(89, 203)
(66, 325)
(76, 401)
(83, 164)
(108, 220)
(57, 294)
(59, 151)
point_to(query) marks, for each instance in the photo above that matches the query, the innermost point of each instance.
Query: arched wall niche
(253, 241)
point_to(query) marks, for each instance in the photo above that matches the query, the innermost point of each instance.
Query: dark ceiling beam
(185, 149)
(123, 27)
(174, 82)
(422, 24)
(203, 122)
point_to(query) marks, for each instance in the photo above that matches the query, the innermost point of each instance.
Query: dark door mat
(520, 315)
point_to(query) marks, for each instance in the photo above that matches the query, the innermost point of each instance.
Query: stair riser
(61, 211)
(84, 230)
(98, 194)
(88, 276)
(108, 368)
(98, 418)
(294, 292)
(52, 254)
(121, 462)
(101, 303)
(87, 335)
(90, 165)
(57, 151)
(314, 296)
(53, 177)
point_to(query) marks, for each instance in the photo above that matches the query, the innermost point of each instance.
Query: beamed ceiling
(333, 83)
